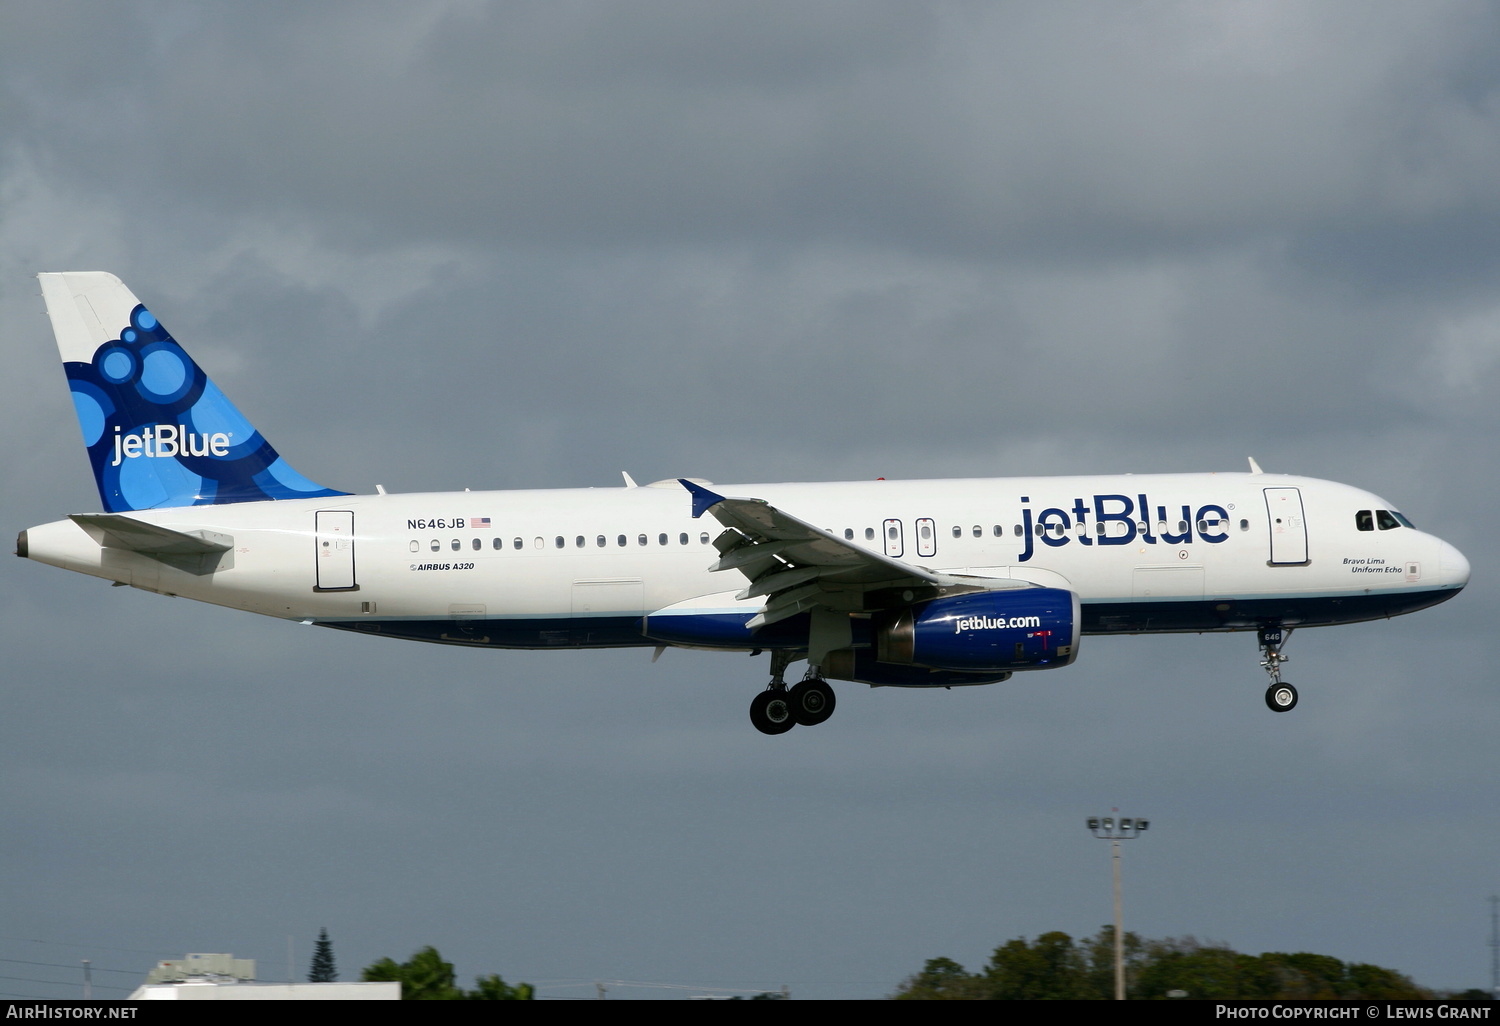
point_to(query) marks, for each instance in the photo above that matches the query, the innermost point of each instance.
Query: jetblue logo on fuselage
(990, 623)
(168, 440)
(1057, 526)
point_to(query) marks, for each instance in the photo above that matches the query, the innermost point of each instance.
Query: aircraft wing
(798, 567)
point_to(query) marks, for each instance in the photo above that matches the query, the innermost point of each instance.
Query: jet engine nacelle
(982, 632)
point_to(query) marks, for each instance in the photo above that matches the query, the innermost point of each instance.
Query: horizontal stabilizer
(196, 552)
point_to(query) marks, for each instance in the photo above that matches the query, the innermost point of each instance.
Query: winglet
(703, 499)
(1254, 467)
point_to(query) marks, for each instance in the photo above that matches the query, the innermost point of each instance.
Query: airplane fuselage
(585, 567)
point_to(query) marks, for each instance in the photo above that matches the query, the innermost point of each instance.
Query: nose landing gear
(1280, 696)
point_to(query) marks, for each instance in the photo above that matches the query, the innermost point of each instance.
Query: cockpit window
(1364, 520)
(1404, 521)
(1385, 521)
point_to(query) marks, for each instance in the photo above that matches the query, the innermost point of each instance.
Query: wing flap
(796, 566)
(767, 535)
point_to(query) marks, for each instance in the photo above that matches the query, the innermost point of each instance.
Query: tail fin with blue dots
(158, 431)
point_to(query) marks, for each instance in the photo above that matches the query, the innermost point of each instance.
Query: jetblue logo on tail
(168, 440)
(160, 433)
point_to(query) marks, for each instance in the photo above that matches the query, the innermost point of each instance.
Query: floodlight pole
(1114, 830)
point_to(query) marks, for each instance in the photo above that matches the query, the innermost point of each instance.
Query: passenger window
(538, 542)
(620, 541)
(416, 546)
(978, 531)
(1385, 521)
(682, 538)
(558, 541)
(579, 541)
(642, 539)
(456, 544)
(499, 544)
(437, 546)
(958, 532)
(869, 534)
(1019, 530)
(848, 534)
(661, 539)
(1244, 525)
(703, 538)
(600, 541)
(477, 545)
(517, 544)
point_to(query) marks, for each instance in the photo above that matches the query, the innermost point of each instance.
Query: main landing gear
(778, 709)
(1280, 696)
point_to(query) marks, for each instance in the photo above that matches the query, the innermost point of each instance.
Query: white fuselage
(582, 567)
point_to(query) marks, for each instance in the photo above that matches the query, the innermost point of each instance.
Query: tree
(942, 979)
(1202, 971)
(323, 968)
(423, 977)
(426, 977)
(1098, 954)
(493, 988)
(1049, 970)
(1054, 967)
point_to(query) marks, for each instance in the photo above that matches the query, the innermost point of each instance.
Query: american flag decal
(479, 521)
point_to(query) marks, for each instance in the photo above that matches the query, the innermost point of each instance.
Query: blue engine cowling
(982, 632)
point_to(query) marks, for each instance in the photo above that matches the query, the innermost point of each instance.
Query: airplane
(887, 583)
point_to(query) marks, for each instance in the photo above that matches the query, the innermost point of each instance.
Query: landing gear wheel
(1281, 697)
(812, 702)
(771, 712)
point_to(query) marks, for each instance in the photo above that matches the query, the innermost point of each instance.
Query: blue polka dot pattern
(159, 433)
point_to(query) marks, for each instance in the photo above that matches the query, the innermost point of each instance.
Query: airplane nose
(1453, 568)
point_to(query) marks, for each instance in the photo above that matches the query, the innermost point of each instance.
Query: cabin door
(335, 543)
(1288, 527)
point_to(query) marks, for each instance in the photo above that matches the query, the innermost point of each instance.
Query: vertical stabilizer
(159, 433)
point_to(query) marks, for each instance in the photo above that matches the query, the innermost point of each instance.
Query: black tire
(812, 702)
(1281, 697)
(771, 713)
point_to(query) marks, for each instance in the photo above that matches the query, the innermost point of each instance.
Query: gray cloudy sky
(439, 245)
